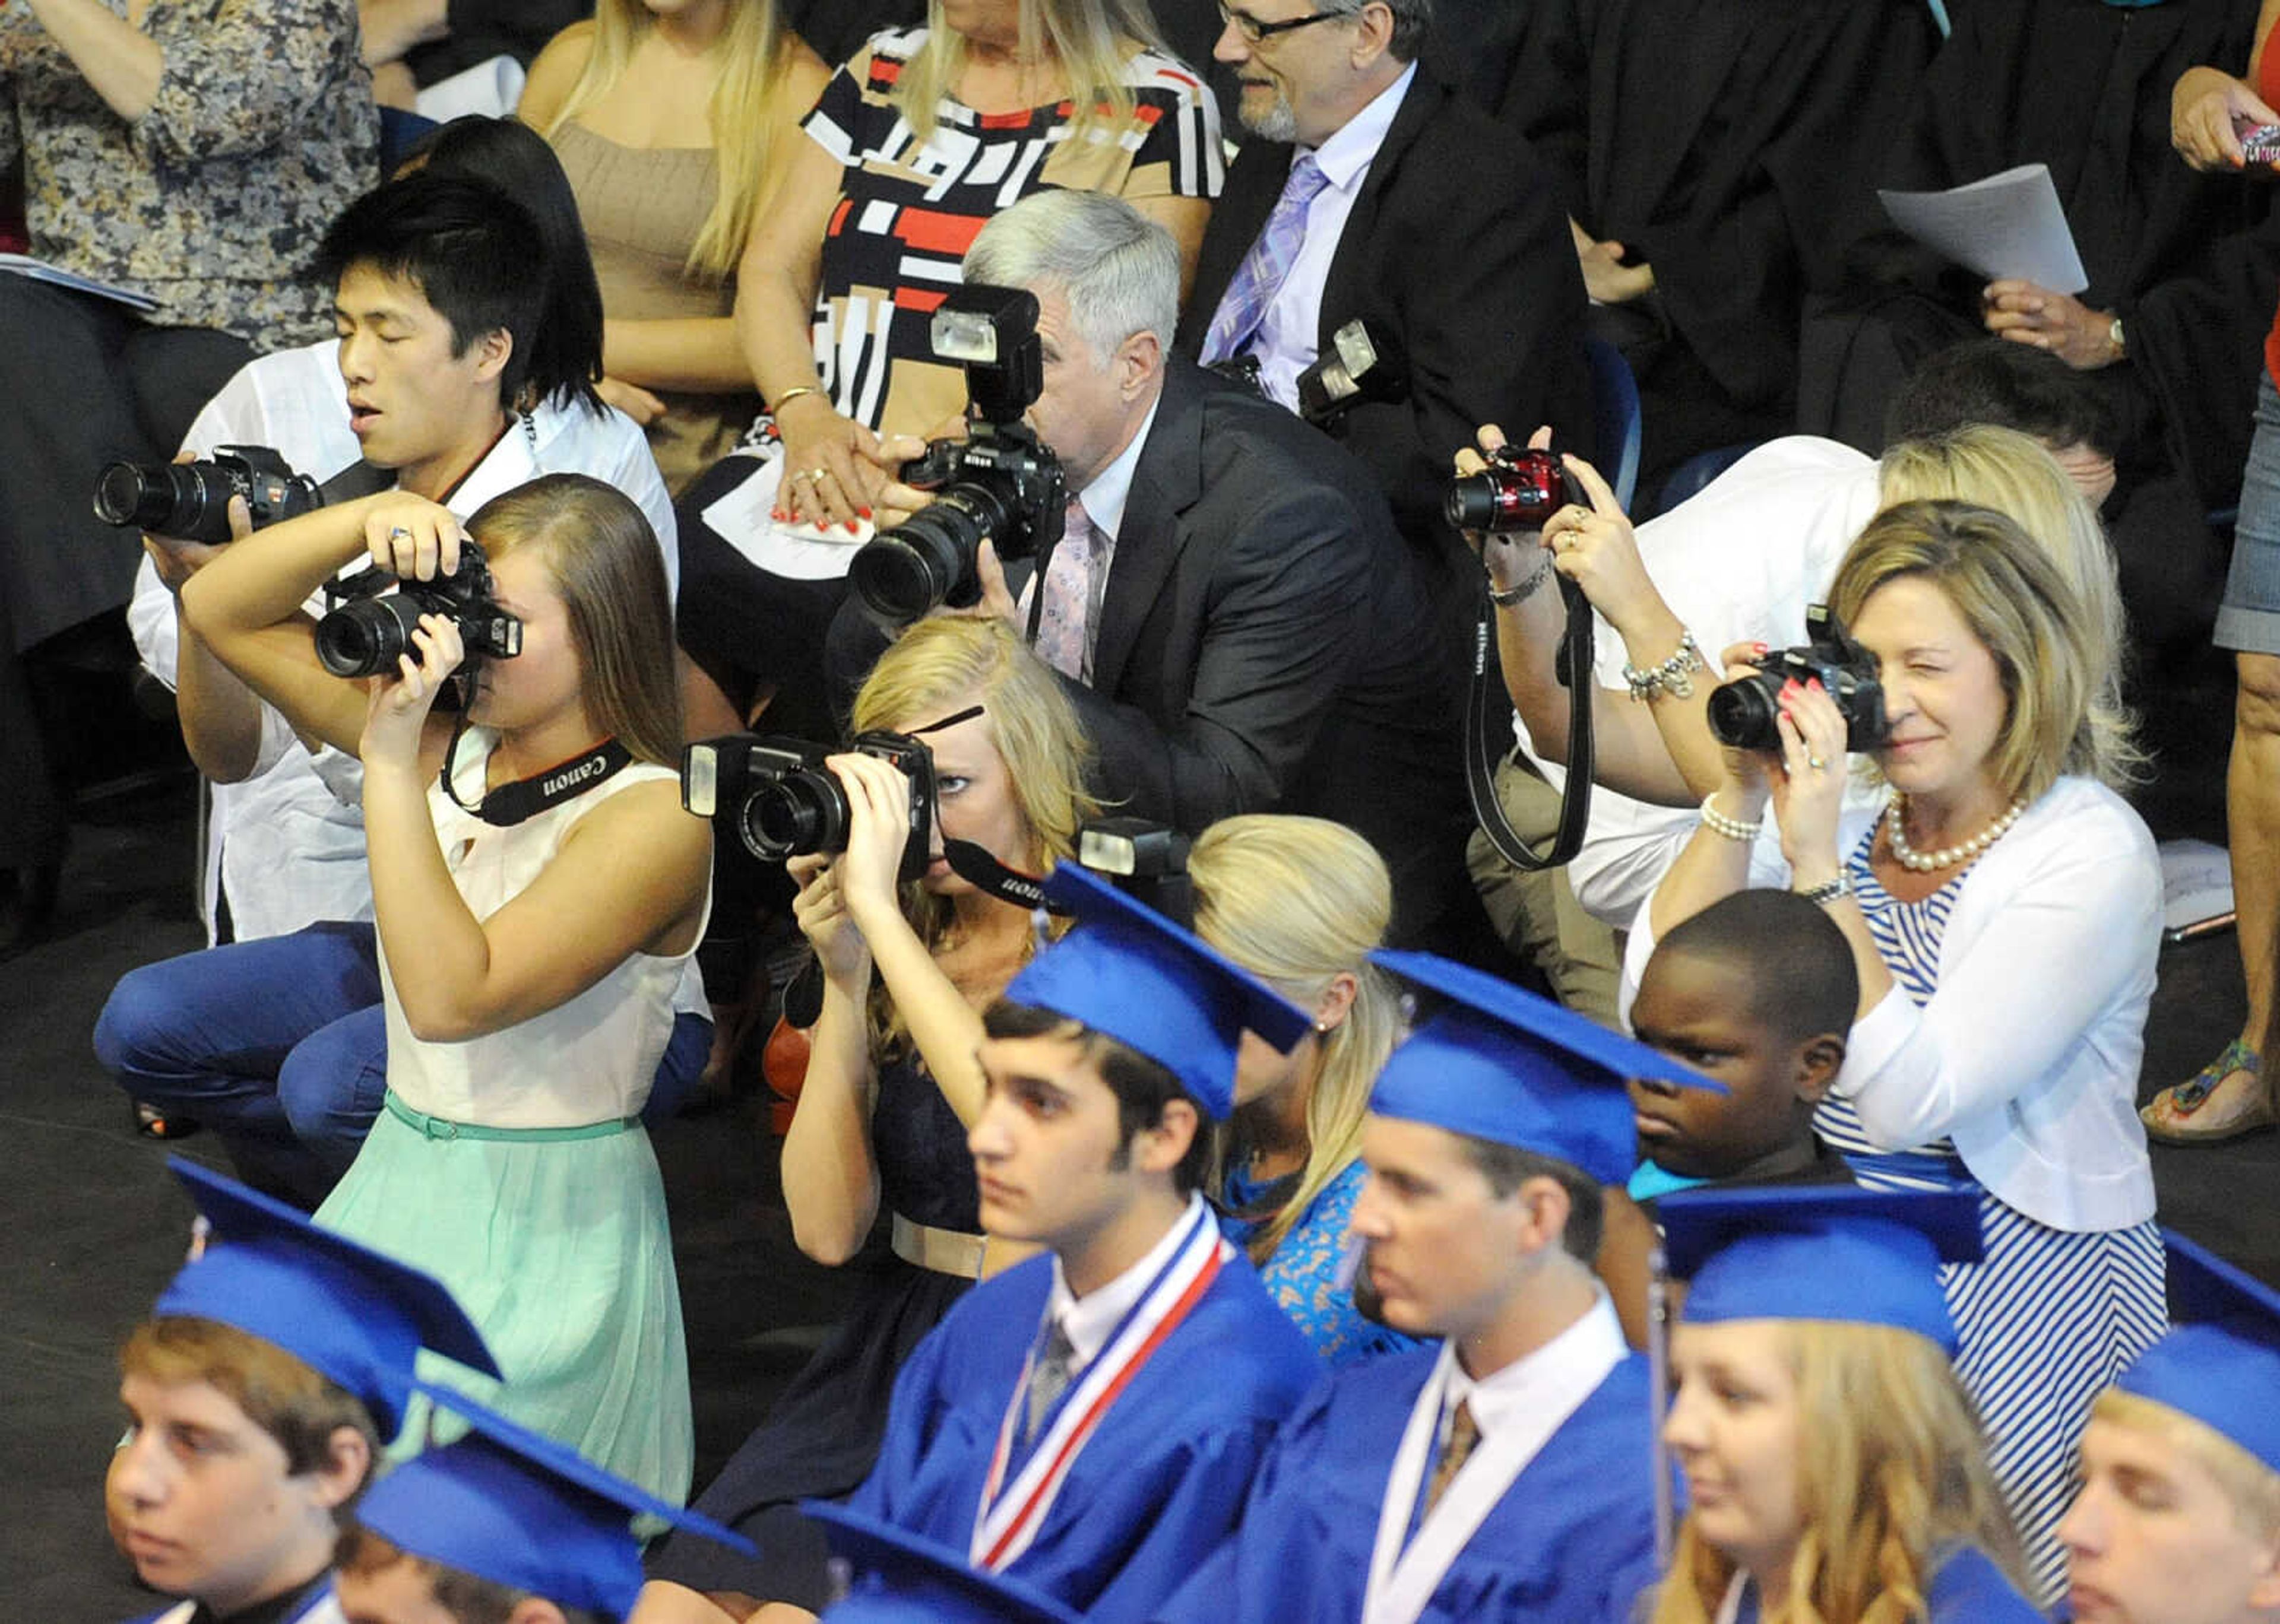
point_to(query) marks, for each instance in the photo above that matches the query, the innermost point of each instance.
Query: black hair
(1803, 981)
(477, 256)
(1507, 1167)
(360, 1552)
(1143, 1087)
(2010, 385)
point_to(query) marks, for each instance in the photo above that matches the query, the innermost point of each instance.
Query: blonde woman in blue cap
(2179, 1517)
(1834, 1467)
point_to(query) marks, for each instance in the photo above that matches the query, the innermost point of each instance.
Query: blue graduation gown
(1572, 1542)
(1161, 1480)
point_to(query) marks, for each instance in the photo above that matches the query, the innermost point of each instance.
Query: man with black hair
(1994, 380)
(461, 370)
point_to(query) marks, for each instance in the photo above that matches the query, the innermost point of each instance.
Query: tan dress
(642, 208)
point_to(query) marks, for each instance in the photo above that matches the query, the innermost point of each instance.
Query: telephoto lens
(189, 500)
(1518, 491)
(932, 558)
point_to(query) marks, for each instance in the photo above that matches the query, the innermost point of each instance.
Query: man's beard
(1280, 122)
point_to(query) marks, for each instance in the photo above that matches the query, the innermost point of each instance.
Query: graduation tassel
(1657, 1369)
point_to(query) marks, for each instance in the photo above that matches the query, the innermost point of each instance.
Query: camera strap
(1574, 669)
(524, 798)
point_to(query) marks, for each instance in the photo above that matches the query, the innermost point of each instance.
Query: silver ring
(816, 476)
(399, 530)
(1814, 762)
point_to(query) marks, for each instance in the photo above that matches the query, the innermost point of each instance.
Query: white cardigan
(2027, 1054)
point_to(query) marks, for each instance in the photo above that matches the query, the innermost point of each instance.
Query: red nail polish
(853, 528)
(1762, 648)
(778, 514)
(1815, 686)
(862, 512)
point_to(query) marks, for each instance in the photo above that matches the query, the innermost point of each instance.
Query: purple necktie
(1062, 640)
(1259, 277)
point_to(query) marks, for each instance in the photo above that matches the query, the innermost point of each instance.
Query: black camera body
(1365, 364)
(1001, 484)
(1518, 491)
(1743, 712)
(784, 803)
(1145, 860)
(366, 634)
(190, 500)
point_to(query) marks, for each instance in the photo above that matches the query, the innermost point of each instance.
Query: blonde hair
(2013, 473)
(751, 59)
(2051, 656)
(1300, 902)
(951, 660)
(2252, 1488)
(1091, 40)
(1891, 1470)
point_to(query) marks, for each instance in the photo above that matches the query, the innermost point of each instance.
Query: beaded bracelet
(1732, 828)
(1671, 676)
(1828, 890)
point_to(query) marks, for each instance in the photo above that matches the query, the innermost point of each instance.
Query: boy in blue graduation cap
(1834, 1463)
(500, 1527)
(1087, 1422)
(258, 1394)
(898, 1578)
(1507, 1474)
(2178, 1518)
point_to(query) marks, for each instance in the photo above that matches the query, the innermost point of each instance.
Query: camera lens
(1742, 712)
(190, 500)
(1518, 494)
(930, 559)
(366, 637)
(800, 814)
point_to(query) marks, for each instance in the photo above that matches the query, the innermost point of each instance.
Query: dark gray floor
(94, 1227)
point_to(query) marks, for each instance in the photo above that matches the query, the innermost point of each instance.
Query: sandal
(2191, 1094)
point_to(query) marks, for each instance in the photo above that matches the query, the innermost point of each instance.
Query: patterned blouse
(262, 131)
(1307, 1273)
(906, 213)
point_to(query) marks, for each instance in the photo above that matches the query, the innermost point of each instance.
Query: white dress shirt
(1091, 1319)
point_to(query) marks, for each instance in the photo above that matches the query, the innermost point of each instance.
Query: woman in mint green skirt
(537, 900)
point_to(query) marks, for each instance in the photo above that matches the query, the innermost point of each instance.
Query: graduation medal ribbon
(1007, 1522)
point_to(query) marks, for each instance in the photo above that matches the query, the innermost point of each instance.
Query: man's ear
(1543, 1205)
(493, 350)
(1372, 32)
(2264, 1594)
(1159, 1149)
(345, 1468)
(533, 1610)
(1138, 359)
(1818, 1062)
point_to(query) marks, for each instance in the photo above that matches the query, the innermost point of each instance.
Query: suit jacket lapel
(1345, 289)
(1167, 483)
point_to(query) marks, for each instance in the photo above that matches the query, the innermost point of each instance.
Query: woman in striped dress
(2003, 906)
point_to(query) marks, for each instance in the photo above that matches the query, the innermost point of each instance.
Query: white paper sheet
(804, 552)
(2007, 224)
(2196, 888)
(40, 270)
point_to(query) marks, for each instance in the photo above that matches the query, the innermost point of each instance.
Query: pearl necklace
(1946, 856)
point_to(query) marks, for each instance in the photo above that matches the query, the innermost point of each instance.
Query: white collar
(1517, 1388)
(1091, 1319)
(1347, 155)
(1111, 488)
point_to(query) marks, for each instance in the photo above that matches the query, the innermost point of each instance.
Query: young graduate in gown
(1834, 1467)
(2179, 1517)
(903, 1580)
(258, 1394)
(1508, 1473)
(1088, 1421)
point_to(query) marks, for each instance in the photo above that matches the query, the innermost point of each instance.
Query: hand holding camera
(820, 910)
(412, 538)
(879, 804)
(397, 707)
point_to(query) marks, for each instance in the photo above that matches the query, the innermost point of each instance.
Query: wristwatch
(1828, 890)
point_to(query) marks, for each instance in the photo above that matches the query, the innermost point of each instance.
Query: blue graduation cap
(1501, 1064)
(1128, 971)
(339, 1307)
(2220, 1365)
(901, 1578)
(501, 1503)
(1867, 1257)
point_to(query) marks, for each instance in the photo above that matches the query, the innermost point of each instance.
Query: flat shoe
(2189, 1096)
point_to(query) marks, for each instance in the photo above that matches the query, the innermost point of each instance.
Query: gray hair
(1119, 270)
(1413, 20)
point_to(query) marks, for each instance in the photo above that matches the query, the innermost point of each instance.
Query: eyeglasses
(1252, 29)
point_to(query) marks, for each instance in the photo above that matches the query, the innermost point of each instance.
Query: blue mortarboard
(1128, 971)
(903, 1578)
(1865, 1257)
(504, 1503)
(2221, 1366)
(1501, 1064)
(340, 1308)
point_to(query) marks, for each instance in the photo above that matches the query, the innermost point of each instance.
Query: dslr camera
(1742, 712)
(191, 499)
(784, 803)
(366, 634)
(1000, 484)
(1519, 490)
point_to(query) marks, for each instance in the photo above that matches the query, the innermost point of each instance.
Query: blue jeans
(280, 1046)
(2250, 620)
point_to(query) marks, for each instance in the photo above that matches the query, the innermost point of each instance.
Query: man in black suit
(1406, 205)
(1240, 626)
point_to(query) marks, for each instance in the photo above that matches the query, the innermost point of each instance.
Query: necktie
(1259, 277)
(1463, 1434)
(1064, 626)
(1049, 1378)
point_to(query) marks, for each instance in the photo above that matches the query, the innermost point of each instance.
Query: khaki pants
(1536, 913)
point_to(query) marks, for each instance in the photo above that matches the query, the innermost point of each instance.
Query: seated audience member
(190, 156)
(1716, 152)
(892, 1085)
(1358, 163)
(923, 135)
(1239, 625)
(1834, 1467)
(257, 1396)
(500, 1527)
(2002, 868)
(412, 45)
(674, 124)
(537, 893)
(1301, 903)
(279, 1041)
(1507, 1474)
(2182, 268)
(2177, 1520)
(1087, 1422)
